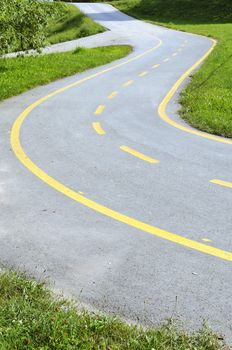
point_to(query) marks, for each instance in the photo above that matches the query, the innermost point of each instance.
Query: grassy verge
(23, 73)
(31, 318)
(73, 24)
(206, 103)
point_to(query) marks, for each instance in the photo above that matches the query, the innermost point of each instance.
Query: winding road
(107, 192)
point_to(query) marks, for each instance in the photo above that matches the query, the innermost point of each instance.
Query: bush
(23, 24)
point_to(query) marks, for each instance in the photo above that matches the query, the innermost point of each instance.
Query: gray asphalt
(104, 263)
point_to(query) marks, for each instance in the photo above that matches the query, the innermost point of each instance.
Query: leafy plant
(23, 23)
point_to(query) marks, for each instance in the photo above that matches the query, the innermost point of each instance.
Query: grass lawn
(32, 318)
(207, 101)
(71, 25)
(23, 73)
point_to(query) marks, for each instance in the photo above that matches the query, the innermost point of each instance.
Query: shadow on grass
(71, 23)
(185, 11)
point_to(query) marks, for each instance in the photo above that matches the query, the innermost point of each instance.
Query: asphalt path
(108, 193)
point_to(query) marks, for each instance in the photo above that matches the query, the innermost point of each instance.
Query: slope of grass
(23, 73)
(206, 103)
(72, 24)
(31, 318)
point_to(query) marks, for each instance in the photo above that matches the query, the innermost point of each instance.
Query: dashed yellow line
(143, 73)
(138, 154)
(70, 193)
(128, 83)
(113, 95)
(222, 183)
(166, 59)
(155, 66)
(207, 240)
(98, 128)
(100, 109)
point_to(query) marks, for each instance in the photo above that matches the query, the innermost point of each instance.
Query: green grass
(23, 73)
(32, 318)
(73, 24)
(206, 103)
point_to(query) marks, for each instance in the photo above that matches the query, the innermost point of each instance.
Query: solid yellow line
(143, 73)
(100, 109)
(138, 154)
(42, 175)
(129, 82)
(163, 106)
(156, 66)
(222, 183)
(166, 59)
(98, 128)
(113, 95)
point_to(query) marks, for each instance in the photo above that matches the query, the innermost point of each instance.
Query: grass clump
(206, 103)
(25, 72)
(32, 318)
(73, 24)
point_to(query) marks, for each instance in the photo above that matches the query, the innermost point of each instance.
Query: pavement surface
(110, 196)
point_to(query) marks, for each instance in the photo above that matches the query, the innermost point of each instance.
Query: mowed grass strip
(31, 318)
(23, 73)
(72, 24)
(207, 101)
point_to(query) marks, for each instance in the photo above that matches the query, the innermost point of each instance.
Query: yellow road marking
(206, 240)
(100, 109)
(138, 154)
(174, 54)
(222, 183)
(166, 59)
(156, 66)
(113, 95)
(143, 73)
(129, 82)
(50, 181)
(98, 128)
(163, 106)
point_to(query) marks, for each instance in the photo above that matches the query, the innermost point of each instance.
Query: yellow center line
(166, 59)
(98, 207)
(100, 109)
(207, 240)
(174, 54)
(222, 183)
(138, 154)
(113, 95)
(129, 82)
(143, 73)
(98, 128)
(156, 66)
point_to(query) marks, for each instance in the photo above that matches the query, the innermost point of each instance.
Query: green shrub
(23, 24)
